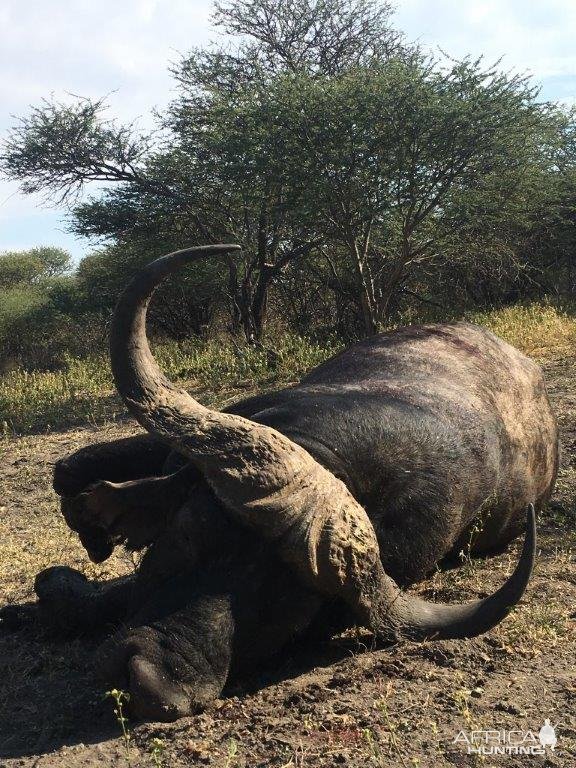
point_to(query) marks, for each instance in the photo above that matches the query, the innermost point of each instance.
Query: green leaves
(60, 147)
(32, 266)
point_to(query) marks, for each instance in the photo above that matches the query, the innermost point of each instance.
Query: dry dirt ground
(342, 703)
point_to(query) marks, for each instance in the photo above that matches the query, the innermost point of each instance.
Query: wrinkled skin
(407, 420)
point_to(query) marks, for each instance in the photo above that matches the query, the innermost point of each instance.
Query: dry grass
(540, 329)
(83, 392)
(33, 533)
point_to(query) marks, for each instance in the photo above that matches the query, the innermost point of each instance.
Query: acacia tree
(219, 168)
(411, 165)
(222, 175)
(314, 36)
(547, 240)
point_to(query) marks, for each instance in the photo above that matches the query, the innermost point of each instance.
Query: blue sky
(123, 48)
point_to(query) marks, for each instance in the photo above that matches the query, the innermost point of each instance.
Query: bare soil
(339, 703)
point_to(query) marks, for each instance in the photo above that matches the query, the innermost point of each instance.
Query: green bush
(38, 326)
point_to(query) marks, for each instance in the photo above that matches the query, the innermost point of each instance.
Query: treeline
(366, 182)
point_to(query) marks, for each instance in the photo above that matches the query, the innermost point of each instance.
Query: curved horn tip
(511, 592)
(420, 620)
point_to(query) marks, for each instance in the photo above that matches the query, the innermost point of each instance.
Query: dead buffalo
(302, 509)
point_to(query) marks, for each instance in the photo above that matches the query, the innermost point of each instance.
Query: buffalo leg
(173, 664)
(199, 626)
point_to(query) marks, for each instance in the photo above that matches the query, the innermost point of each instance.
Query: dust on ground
(338, 703)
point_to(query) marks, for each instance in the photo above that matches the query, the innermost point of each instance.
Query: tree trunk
(259, 305)
(234, 299)
(389, 289)
(366, 285)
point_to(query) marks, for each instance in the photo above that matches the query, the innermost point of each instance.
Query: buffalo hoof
(64, 597)
(153, 696)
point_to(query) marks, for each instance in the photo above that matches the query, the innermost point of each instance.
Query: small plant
(158, 752)
(232, 753)
(465, 554)
(373, 746)
(297, 757)
(120, 698)
(462, 698)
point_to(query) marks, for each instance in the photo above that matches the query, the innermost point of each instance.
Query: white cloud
(535, 37)
(121, 48)
(93, 48)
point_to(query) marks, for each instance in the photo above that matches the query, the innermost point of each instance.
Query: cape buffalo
(305, 508)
